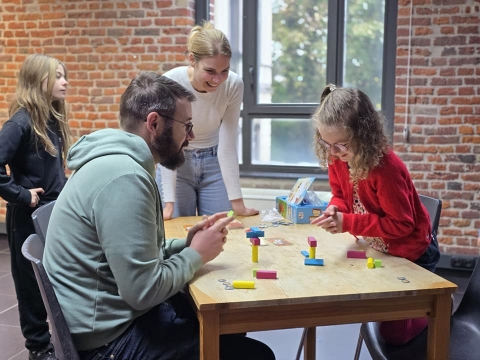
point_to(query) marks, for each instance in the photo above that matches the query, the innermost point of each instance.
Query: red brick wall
(443, 111)
(104, 44)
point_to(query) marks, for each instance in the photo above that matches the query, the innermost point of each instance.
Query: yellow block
(243, 284)
(311, 252)
(370, 263)
(254, 253)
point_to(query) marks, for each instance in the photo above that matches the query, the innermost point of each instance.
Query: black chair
(464, 332)
(40, 218)
(416, 348)
(32, 249)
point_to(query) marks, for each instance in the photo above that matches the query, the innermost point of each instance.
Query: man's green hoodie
(105, 250)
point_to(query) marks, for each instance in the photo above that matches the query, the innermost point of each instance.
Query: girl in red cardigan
(373, 193)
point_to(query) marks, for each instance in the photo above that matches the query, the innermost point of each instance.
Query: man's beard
(167, 150)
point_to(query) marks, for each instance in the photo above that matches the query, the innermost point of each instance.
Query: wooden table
(341, 292)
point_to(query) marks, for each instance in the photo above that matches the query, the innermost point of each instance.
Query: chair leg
(300, 346)
(359, 346)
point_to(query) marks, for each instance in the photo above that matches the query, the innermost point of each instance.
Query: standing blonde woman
(33, 143)
(209, 181)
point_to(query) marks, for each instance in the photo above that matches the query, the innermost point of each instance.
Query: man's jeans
(170, 331)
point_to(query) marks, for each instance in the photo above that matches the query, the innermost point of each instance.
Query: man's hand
(209, 236)
(207, 222)
(35, 197)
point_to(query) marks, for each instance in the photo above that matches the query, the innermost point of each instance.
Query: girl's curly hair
(351, 110)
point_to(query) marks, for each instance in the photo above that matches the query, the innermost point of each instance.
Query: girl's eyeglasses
(337, 147)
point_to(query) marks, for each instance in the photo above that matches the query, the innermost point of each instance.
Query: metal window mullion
(335, 41)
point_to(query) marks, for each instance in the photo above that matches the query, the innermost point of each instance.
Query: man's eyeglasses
(188, 126)
(337, 147)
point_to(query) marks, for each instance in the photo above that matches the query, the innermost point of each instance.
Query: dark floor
(332, 341)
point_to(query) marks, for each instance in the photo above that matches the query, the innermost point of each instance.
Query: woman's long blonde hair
(206, 41)
(39, 104)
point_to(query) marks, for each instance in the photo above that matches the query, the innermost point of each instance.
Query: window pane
(292, 50)
(283, 142)
(228, 15)
(363, 61)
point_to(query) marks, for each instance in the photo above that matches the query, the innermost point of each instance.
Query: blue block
(251, 234)
(305, 253)
(254, 228)
(314, 262)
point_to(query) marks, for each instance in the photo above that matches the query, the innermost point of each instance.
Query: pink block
(312, 241)
(356, 254)
(266, 274)
(255, 241)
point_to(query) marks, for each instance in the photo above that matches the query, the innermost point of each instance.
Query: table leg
(309, 351)
(209, 335)
(439, 329)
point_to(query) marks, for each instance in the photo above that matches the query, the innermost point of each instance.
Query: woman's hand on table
(238, 206)
(168, 211)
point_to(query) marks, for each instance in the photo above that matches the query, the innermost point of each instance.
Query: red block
(312, 241)
(255, 241)
(356, 254)
(266, 274)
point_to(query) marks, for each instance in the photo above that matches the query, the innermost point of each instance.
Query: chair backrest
(434, 208)
(40, 218)
(469, 307)
(32, 249)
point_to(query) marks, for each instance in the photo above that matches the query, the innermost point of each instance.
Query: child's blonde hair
(29, 95)
(351, 110)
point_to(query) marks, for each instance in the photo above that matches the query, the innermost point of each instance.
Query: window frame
(334, 74)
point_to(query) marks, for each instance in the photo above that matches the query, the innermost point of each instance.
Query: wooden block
(305, 253)
(254, 228)
(356, 254)
(312, 241)
(243, 284)
(266, 274)
(251, 234)
(314, 262)
(378, 263)
(231, 213)
(255, 241)
(254, 253)
(311, 252)
(370, 263)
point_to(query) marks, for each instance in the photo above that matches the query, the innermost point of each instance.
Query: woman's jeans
(200, 188)
(170, 331)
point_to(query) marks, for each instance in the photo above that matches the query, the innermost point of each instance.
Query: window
(287, 51)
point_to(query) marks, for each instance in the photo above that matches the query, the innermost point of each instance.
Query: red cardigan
(395, 212)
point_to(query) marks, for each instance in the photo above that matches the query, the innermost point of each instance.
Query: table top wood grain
(340, 279)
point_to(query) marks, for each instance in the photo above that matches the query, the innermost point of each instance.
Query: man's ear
(153, 122)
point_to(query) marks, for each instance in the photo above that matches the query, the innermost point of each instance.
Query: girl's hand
(35, 197)
(331, 220)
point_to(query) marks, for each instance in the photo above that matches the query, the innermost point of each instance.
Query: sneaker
(47, 353)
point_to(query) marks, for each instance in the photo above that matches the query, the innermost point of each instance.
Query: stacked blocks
(312, 243)
(254, 234)
(310, 255)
